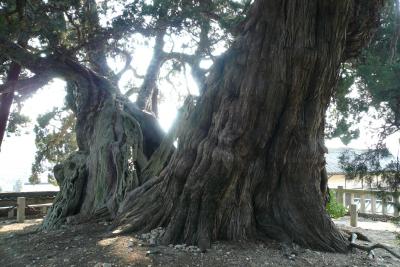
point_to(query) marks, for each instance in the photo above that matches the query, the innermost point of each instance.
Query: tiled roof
(332, 159)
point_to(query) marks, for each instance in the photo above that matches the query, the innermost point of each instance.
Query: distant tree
(55, 140)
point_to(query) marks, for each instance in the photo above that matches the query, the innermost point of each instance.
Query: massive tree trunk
(250, 163)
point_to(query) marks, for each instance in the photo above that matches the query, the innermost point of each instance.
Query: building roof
(332, 159)
(27, 187)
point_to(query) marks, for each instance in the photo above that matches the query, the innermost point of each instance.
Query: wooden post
(339, 195)
(384, 204)
(362, 202)
(373, 203)
(44, 210)
(351, 198)
(11, 213)
(396, 204)
(353, 215)
(20, 209)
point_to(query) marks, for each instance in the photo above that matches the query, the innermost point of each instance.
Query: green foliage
(371, 82)
(55, 140)
(371, 85)
(335, 209)
(16, 122)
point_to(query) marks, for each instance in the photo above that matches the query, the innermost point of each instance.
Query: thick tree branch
(20, 55)
(396, 35)
(53, 66)
(182, 57)
(145, 97)
(7, 99)
(25, 86)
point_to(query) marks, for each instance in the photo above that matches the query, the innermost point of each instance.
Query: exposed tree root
(360, 235)
(370, 249)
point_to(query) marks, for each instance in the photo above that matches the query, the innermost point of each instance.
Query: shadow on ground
(90, 245)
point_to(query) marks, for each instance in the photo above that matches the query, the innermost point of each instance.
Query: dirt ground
(89, 245)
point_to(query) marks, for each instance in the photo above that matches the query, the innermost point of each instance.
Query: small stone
(180, 246)
(66, 260)
(152, 242)
(371, 255)
(151, 252)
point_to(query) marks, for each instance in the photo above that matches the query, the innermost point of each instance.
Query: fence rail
(370, 201)
(32, 198)
(20, 201)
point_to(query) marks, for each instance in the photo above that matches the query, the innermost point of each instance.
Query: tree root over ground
(370, 249)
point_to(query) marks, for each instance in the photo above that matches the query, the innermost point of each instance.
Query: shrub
(335, 209)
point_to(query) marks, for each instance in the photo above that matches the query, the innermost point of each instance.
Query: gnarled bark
(112, 152)
(251, 160)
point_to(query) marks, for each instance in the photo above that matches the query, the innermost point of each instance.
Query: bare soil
(90, 245)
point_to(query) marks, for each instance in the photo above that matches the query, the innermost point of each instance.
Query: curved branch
(127, 66)
(21, 56)
(57, 65)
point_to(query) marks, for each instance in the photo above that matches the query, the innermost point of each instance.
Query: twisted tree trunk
(250, 163)
(115, 140)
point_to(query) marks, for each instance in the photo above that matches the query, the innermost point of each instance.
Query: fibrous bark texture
(112, 152)
(250, 163)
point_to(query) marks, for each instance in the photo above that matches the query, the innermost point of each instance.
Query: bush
(334, 209)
